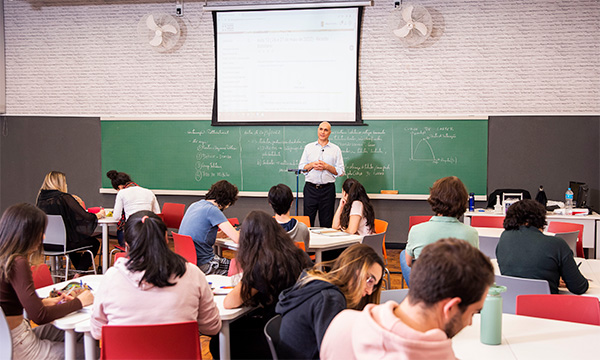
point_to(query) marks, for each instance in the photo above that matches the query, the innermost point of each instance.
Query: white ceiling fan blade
(403, 31)
(169, 28)
(157, 40)
(407, 13)
(151, 23)
(421, 27)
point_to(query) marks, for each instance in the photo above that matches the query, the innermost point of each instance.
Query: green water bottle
(491, 316)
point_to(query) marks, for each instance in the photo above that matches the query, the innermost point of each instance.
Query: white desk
(79, 321)
(69, 322)
(526, 337)
(318, 243)
(105, 223)
(591, 226)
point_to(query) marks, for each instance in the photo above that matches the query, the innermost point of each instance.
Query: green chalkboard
(403, 155)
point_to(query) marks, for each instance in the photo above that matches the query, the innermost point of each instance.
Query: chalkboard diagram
(421, 148)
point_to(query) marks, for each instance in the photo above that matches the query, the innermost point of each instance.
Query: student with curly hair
(309, 306)
(448, 198)
(201, 221)
(270, 263)
(524, 251)
(355, 215)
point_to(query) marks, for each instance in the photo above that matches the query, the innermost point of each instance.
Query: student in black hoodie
(308, 307)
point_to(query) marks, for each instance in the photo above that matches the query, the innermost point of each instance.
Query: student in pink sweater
(153, 285)
(449, 284)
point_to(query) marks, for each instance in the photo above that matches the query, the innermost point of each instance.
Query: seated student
(449, 284)
(270, 263)
(21, 232)
(355, 213)
(153, 285)
(280, 199)
(524, 251)
(130, 199)
(449, 200)
(53, 199)
(201, 221)
(309, 306)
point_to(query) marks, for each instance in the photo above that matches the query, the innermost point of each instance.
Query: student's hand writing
(101, 214)
(51, 301)
(86, 298)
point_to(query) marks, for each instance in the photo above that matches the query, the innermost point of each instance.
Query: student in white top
(355, 214)
(131, 198)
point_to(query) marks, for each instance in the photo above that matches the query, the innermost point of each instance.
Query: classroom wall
(85, 57)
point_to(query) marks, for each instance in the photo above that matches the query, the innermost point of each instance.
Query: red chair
(414, 220)
(381, 227)
(184, 246)
(234, 222)
(487, 221)
(41, 276)
(561, 227)
(573, 308)
(234, 268)
(118, 256)
(160, 341)
(172, 214)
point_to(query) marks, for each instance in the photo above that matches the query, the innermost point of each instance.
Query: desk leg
(70, 342)
(105, 251)
(219, 250)
(90, 346)
(224, 348)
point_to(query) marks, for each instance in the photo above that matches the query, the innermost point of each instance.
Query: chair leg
(93, 261)
(389, 279)
(67, 258)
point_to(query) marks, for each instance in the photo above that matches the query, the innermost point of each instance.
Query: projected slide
(287, 65)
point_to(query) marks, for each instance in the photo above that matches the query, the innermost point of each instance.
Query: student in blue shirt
(202, 220)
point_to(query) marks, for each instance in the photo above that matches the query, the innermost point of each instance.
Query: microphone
(322, 150)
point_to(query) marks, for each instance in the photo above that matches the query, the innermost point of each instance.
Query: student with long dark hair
(153, 285)
(309, 306)
(270, 263)
(54, 199)
(21, 232)
(355, 214)
(130, 199)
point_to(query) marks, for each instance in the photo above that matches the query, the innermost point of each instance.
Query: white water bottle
(569, 202)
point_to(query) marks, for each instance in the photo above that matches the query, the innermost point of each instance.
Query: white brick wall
(485, 57)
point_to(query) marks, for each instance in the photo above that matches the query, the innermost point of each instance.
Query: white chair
(519, 286)
(487, 245)
(56, 234)
(375, 242)
(571, 239)
(5, 338)
(397, 295)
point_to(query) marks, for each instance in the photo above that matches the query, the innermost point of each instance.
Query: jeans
(405, 268)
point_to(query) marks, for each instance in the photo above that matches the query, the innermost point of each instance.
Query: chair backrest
(397, 295)
(487, 221)
(160, 341)
(119, 255)
(234, 221)
(573, 308)
(571, 239)
(375, 241)
(487, 245)
(5, 338)
(272, 334)
(414, 220)
(184, 246)
(519, 286)
(41, 276)
(381, 227)
(56, 234)
(303, 219)
(561, 227)
(172, 214)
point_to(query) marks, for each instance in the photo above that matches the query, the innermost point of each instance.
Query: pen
(227, 287)
(578, 264)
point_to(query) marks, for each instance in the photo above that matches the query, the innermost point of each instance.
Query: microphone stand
(297, 172)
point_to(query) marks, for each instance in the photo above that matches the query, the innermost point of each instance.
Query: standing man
(323, 161)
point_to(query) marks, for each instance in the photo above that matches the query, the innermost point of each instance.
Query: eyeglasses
(371, 282)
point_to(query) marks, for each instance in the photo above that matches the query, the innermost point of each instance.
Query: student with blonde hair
(54, 199)
(308, 307)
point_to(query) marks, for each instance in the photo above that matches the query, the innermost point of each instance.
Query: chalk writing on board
(421, 148)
